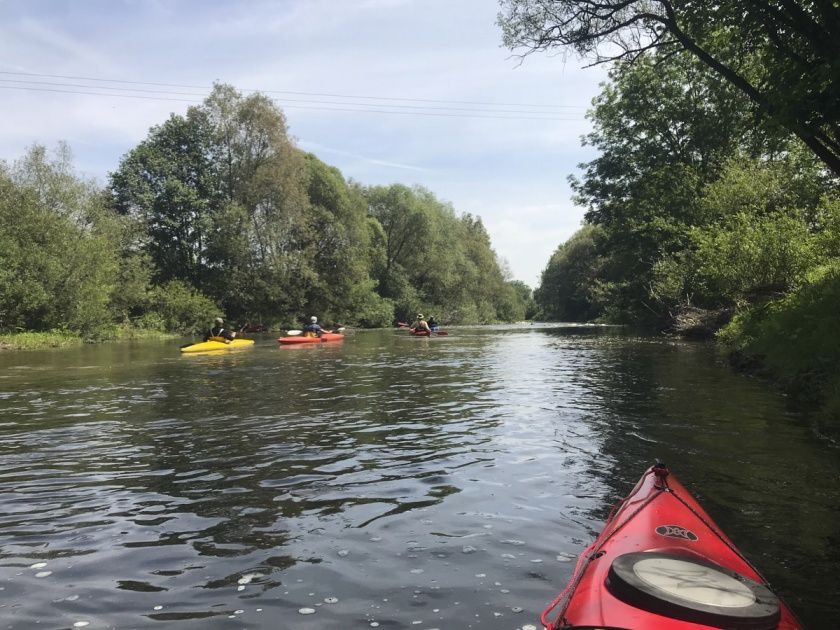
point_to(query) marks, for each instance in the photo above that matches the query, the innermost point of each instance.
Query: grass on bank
(67, 339)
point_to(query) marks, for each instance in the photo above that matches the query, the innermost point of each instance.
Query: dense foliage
(699, 209)
(217, 212)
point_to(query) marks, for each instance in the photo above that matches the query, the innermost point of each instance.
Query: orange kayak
(661, 563)
(301, 339)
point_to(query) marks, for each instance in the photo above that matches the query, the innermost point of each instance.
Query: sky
(389, 91)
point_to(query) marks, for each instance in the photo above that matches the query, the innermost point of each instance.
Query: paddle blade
(441, 333)
(294, 333)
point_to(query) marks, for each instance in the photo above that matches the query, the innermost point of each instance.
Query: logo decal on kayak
(675, 531)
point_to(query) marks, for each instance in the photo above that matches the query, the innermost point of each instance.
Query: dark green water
(385, 481)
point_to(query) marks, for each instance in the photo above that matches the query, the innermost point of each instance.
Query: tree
(429, 259)
(664, 128)
(222, 194)
(341, 286)
(167, 184)
(58, 257)
(566, 283)
(784, 55)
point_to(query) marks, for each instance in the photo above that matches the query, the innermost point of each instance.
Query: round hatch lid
(693, 590)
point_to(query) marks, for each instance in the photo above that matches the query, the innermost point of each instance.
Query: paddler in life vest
(433, 323)
(219, 332)
(421, 325)
(312, 329)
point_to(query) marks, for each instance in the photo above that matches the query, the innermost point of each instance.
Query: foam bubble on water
(416, 571)
(306, 611)
(72, 598)
(509, 556)
(516, 609)
(512, 541)
(468, 549)
(375, 538)
(259, 609)
(38, 565)
(238, 612)
(158, 607)
(480, 575)
(497, 614)
(240, 588)
(246, 579)
(81, 624)
(504, 590)
(42, 574)
(343, 552)
(536, 560)
(529, 626)
(374, 624)
(331, 600)
(565, 557)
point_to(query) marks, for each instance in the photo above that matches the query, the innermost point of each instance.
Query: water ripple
(447, 483)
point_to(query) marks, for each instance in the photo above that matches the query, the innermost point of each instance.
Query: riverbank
(66, 339)
(795, 340)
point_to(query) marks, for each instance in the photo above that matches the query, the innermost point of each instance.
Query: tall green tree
(568, 284)
(434, 260)
(222, 194)
(664, 128)
(58, 254)
(167, 183)
(341, 286)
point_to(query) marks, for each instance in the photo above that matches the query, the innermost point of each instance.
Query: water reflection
(383, 480)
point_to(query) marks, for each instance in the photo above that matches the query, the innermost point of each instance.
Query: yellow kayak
(217, 344)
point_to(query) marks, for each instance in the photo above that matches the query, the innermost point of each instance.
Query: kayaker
(218, 330)
(433, 323)
(312, 329)
(421, 324)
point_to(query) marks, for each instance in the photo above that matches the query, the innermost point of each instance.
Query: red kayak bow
(661, 563)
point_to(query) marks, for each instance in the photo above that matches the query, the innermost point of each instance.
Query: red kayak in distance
(426, 333)
(402, 324)
(325, 337)
(661, 563)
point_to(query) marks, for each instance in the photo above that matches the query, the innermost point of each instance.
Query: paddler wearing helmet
(218, 332)
(312, 329)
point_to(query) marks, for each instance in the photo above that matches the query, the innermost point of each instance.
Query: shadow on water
(386, 479)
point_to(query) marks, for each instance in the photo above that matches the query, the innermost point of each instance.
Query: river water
(384, 481)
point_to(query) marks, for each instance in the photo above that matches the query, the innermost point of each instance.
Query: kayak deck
(661, 562)
(205, 346)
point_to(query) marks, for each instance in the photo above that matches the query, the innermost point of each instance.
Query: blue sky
(493, 136)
